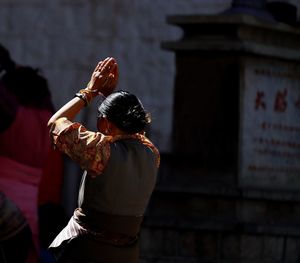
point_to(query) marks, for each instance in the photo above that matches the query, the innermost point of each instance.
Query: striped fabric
(72, 230)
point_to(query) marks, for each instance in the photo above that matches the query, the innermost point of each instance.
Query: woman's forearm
(69, 110)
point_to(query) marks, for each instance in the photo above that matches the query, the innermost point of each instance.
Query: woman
(120, 166)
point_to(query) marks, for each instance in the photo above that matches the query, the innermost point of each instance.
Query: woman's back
(127, 182)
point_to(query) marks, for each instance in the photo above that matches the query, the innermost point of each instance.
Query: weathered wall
(66, 38)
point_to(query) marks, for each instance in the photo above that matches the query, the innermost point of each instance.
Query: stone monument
(237, 96)
(229, 192)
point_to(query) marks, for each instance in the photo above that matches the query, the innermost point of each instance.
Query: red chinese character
(259, 101)
(280, 104)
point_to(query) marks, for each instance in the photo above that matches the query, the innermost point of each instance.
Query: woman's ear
(102, 125)
(107, 127)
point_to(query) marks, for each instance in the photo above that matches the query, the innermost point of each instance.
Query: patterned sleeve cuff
(60, 125)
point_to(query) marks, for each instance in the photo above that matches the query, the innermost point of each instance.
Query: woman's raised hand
(104, 79)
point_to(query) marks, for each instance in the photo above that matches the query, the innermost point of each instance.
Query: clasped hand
(104, 79)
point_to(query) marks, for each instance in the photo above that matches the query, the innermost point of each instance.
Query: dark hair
(6, 63)
(126, 111)
(30, 88)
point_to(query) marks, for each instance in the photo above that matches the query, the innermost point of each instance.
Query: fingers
(109, 80)
(113, 69)
(105, 76)
(106, 65)
(107, 70)
(103, 63)
(98, 66)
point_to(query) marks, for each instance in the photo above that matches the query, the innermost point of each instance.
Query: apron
(98, 237)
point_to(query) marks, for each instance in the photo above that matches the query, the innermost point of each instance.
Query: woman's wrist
(82, 97)
(87, 95)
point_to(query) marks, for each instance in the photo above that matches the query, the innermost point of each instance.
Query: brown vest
(116, 199)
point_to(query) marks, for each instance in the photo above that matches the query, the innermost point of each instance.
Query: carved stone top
(235, 33)
(259, 4)
(255, 8)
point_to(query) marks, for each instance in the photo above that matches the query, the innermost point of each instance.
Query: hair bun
(126, 111)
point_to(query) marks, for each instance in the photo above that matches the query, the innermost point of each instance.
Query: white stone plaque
(269, 148)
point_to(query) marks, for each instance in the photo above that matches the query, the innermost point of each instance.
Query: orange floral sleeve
(91, 150)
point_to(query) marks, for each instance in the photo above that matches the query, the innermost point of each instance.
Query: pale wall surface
(66, 38)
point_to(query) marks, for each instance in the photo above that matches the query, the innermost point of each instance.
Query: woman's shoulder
(138, 146)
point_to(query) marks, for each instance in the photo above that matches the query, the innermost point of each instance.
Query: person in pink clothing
(25, 108)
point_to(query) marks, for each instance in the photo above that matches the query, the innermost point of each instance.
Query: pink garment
(20, 183)
(27, 139)
(24, 147)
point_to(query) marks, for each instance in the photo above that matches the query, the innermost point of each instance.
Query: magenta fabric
(27, 139)
(24, 147)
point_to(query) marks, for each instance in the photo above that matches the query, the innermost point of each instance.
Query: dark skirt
(76, 243)
(85, 249)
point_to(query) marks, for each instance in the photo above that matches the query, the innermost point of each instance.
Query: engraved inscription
(270, 125)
